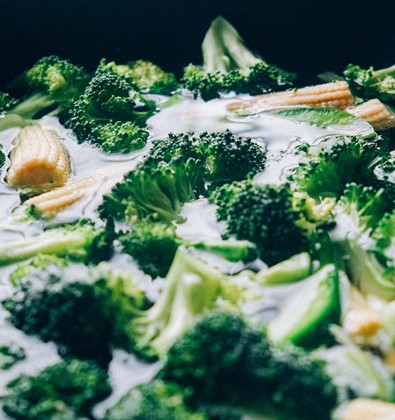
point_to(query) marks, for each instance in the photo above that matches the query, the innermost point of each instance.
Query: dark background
(308, 37)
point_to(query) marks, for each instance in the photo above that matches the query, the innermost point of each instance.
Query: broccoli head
(265, 215)
(229, 66)
(51, 85)
(224, 155)
(326, 167)
(157, 400)
(226, 362)
(63, 81)
(370, 83)
(144, 76)
(82, 309)
(110, 114)
(152, 244)
(65, 391)
(157, 190)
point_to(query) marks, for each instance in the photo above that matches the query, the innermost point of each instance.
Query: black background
(303, 36)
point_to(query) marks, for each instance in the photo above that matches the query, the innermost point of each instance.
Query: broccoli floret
(39, 262)
(63, 81)
(229, 66)
(224, 155)
(226, 362)
(192, 287)
(153, 245)
(153, 190)
(370, 83)
(325, 168)
(230, 157)
(65, 391)
(265, 215)
(82, 309)
(361, 236)
(157, 400)
(145, 76)
(110, 114)
(82, 241)
(120, 137)
(51, 85)
(176, 171)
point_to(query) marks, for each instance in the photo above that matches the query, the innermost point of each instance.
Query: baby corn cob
(52, 202)
(376, 113)
(366, 409)
(329, 95)
(361, 321)
(38, 161)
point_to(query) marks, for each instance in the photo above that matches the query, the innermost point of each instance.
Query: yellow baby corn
(366, 409)
(52, 202)
(328, 95)
(376, 113)
(38, 161)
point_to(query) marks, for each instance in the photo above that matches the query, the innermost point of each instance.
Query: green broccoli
(326, 167)
(228, 363)
(144, 76)
(82, 241)
(82, 309)
(176, 171)
(154, 244)
(51, 85)
(229, 66)
(192, 287)
(152, 189)
(157, 400)
(365, 222)
(265, 215)
(65, 391)
(110, 114)
(370, 83)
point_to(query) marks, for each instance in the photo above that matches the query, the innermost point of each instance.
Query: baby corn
(376, 113)
(52, 202)
(328, 95)
(38, 161)
(366, 409)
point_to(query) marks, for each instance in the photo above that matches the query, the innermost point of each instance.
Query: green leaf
(340, 121)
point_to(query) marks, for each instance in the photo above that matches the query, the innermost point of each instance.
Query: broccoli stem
(389, 71)
(79, 242)
(292, 270)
